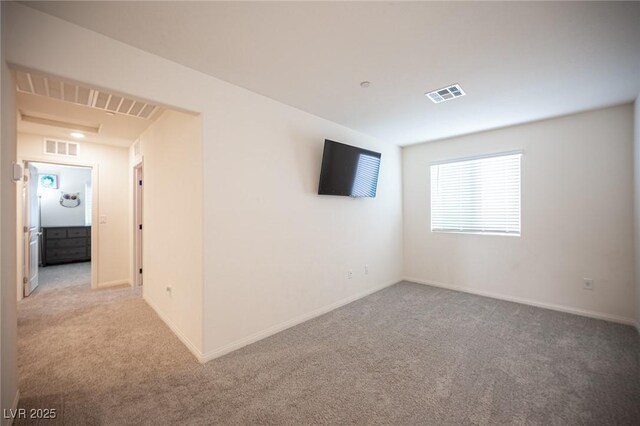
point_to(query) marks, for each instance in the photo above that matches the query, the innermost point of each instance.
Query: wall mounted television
(348, 170)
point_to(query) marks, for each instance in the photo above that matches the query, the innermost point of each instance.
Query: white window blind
(477, 195)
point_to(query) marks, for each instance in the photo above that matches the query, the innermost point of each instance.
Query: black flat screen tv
(348, 170)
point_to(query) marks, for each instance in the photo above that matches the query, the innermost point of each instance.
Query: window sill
(501, 234)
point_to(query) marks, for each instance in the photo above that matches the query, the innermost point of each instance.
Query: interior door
(31, 222)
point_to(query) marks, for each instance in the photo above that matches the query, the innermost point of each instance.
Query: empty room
(320, 213)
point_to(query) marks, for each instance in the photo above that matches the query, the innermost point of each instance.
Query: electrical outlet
(366, 269)
(349, 274)
(587, 284)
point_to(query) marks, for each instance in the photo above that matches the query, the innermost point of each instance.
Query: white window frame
(520, 153)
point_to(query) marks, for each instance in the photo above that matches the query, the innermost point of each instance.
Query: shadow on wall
(308, 160)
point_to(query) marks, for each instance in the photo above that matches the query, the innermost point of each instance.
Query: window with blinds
(477, 195)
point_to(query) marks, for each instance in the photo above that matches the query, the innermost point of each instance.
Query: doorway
(57, 225)
(138, 181)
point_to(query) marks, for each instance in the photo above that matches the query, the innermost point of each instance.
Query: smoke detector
(445, 94)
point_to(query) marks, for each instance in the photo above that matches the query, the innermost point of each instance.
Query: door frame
(138, 219)
(94, 216)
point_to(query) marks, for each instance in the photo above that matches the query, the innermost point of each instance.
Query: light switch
(103, 218)
(17, 172)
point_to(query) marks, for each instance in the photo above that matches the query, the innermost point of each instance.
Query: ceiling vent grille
(446, 93)
(36, 84)
(64, 148)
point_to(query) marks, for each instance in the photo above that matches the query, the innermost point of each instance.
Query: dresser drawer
(77, 232)
(57, 254)
(56, 233)
(67, 242)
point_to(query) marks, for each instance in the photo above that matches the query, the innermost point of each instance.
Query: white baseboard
(14, 407)
(216, 353)
(553, 307)
(115, 283)
(184, 339)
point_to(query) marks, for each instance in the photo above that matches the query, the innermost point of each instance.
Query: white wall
(273, 251)
(172, 222)
(71, 180)
(636, 180)
(577, 210)
(111, 188)
(8, 323)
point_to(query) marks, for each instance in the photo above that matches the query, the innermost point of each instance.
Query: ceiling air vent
(56, 147)
(446, 93)
(36, 84)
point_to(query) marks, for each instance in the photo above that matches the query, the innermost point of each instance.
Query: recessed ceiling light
(110, 113)
(365, 84)
(77, 135)
(446, 93)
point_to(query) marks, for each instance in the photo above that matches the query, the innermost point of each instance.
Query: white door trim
(138, 215)
(94, 215)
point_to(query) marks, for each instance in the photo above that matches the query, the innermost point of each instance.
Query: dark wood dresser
(66, 244)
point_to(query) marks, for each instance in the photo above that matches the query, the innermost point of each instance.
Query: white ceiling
(55, 118)
(517, 62)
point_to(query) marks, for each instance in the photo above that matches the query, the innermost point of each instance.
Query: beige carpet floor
(62, 276)
(407, 355)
